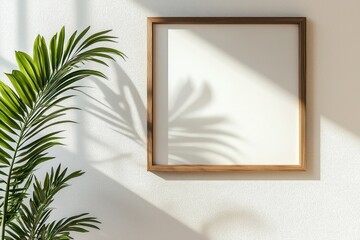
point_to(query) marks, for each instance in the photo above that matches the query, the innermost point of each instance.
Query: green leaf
(60, 46)
(22, 88)
(11, 100)
(53, 52)
(5, 145)
(44, 60)
(47, 138)
(68, 47)
(41, 128)
(6, 137)
(81, 35)
(94, 39)
(6, 120)
(4, 126)
(8, 110)
(29, 70)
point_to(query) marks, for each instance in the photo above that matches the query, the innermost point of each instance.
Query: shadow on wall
(123, 108)
(194, 139)
(124, 215)
(125, 112)
(132, 218)
(135, 217)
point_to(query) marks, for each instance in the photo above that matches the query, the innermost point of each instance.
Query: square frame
(300, 22)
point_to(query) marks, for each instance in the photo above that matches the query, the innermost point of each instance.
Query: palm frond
(32, 221)
(32, 105)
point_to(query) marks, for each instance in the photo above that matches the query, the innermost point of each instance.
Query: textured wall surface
(109, 142)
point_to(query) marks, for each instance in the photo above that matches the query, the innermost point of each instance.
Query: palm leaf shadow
(193, 138)
(190, 137)
(122, 108)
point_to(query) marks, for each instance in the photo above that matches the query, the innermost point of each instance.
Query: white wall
(322, 203)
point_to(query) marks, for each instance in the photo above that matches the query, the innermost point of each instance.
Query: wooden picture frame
(165, 43)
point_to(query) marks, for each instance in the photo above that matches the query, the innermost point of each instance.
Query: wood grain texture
(151, 86)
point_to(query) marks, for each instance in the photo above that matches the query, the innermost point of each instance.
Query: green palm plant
(28, 112)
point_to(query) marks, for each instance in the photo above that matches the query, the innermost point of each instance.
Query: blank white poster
(226, 94)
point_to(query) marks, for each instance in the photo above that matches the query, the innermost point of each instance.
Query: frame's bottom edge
(224, 168)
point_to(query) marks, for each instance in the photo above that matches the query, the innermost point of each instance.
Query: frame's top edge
(228, 20)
